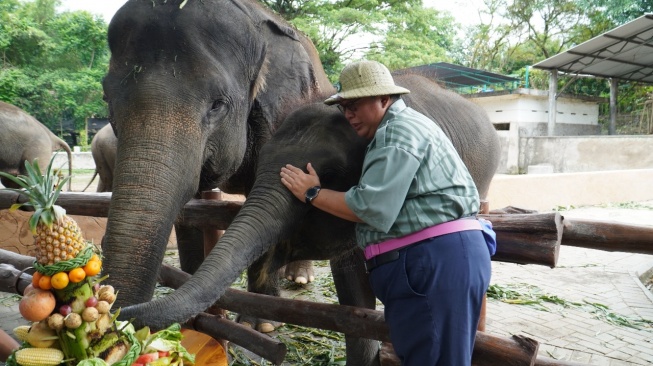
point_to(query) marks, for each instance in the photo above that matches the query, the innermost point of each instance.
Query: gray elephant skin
(193, 92)
(273, 227)
(104, 148)
(24, 138)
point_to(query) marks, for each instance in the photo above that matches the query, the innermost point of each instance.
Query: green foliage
(416, 36)
(52, 64)
(397, 33)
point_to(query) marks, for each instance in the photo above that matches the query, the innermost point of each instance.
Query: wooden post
(484, 209)
(211, 237)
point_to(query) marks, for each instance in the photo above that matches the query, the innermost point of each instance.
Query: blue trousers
(432, 297)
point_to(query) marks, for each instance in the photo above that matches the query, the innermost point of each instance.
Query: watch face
(311, 193)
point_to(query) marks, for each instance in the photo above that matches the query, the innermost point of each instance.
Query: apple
(37, 305)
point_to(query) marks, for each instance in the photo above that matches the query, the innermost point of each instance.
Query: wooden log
(197, 212)
(608, 236)
(527, 238)
(11, 282)
(83, 204)
(17, 260)
(523, 350)
(359, 322)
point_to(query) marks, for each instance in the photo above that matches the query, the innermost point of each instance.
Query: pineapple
(57, 237)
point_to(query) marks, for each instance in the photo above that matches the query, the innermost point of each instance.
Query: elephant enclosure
(523, 237)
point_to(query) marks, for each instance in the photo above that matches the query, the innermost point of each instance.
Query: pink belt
(449, 227)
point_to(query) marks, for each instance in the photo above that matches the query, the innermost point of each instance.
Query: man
(415, 205)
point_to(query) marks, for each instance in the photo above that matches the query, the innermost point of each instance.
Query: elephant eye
(219, 103)
(218, 110)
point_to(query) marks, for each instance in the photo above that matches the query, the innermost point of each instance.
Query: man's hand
(299, 182)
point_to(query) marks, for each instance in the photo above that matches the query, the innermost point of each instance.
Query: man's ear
(385, 101)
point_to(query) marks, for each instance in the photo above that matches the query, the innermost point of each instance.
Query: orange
(35, 279)
(95, 257)
(77, 275)
(93, 267)
(60, 280)
(45, 282)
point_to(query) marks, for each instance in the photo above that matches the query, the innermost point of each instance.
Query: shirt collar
(397, 107)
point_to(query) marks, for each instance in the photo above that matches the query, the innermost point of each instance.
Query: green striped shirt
(412, 178)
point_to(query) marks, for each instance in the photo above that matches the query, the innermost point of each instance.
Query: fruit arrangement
(69, 308)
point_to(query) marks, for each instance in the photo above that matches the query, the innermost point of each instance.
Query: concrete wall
(544, 192)
(570, 154)
(81, 160)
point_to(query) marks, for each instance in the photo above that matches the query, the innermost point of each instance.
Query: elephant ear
(259, 72)
(282, 29)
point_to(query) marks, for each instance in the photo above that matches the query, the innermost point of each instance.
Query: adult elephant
(104, 148)
(194, 89)
(274, 228)
(24, 138)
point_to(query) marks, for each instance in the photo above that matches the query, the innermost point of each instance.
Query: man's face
(365, 114)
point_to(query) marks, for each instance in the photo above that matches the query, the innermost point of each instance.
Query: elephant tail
(91, 181)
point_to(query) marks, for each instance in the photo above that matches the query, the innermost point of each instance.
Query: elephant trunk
(151, 186)
(262, 221)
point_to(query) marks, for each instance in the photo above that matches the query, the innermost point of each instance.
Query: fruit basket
(70, 310)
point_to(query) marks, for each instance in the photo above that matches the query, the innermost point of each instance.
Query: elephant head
(194, 89)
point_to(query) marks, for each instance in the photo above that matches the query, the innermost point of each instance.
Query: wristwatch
(311, 193)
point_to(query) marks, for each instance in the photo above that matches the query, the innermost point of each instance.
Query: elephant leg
(190, 243)
(261, 281)
(353, 288)
(300, 272)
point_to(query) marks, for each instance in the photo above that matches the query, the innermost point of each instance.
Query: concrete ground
(569, 327)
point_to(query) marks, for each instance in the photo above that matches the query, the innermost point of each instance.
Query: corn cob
(39, 357)
(21, 332)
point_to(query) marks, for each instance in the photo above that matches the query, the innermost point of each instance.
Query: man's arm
(332, 202)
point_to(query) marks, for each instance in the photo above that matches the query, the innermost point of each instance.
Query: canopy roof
(455, 76)
(625, 53)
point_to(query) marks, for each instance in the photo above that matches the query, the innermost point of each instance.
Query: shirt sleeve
(387, 175)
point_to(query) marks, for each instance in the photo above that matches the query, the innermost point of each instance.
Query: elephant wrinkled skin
(273, 227)
(24, 138)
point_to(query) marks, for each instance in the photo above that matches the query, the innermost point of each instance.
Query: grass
(525, 294)
(631, 205)
(305, 346)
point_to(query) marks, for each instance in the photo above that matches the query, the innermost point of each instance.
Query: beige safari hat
(365, 79)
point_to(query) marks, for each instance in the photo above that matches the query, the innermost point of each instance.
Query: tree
(52, 64)
(398, 33)
(414, 36)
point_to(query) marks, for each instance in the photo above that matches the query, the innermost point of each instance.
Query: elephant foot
(300, 272)
(261, 325)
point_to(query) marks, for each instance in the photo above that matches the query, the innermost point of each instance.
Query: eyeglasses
(351, 106)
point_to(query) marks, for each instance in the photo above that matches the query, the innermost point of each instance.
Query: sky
(465, 11)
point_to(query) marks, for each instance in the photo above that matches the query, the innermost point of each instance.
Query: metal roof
(625, 53)
(455, 76)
